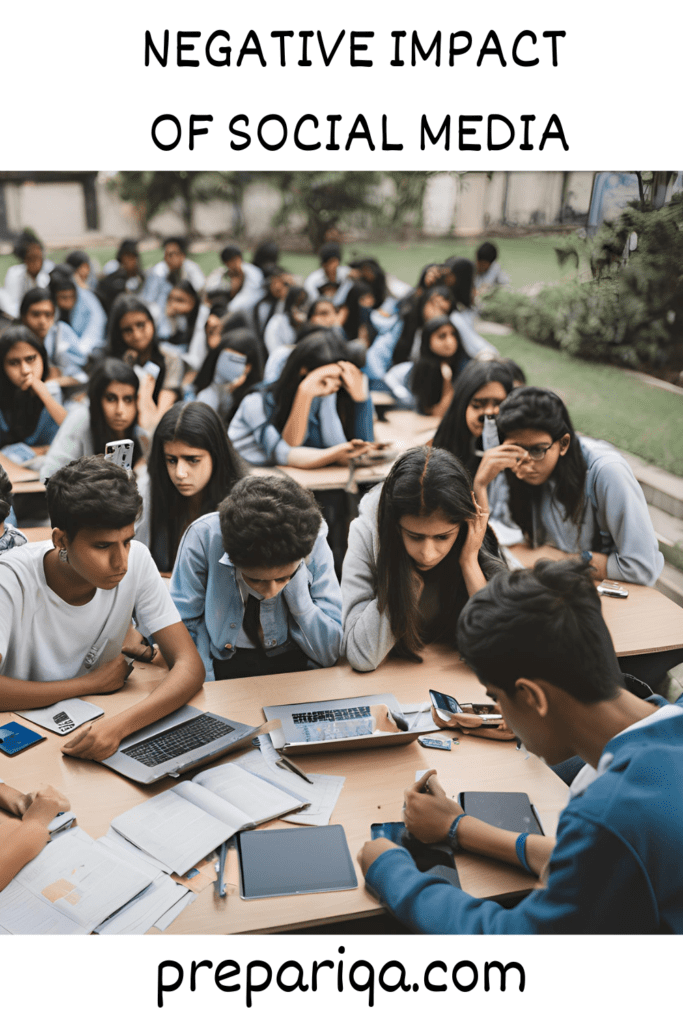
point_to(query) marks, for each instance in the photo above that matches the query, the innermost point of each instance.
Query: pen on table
(220, 882)
(284, 762)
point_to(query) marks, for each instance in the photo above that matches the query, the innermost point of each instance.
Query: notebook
(186, 823)
(344, 724)
(180, 741)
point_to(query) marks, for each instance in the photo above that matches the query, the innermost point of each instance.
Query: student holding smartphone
(538, 642)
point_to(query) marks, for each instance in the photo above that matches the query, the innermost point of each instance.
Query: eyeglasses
(537, 452)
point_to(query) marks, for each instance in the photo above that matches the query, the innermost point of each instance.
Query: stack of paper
(69, 888)
(321, 793)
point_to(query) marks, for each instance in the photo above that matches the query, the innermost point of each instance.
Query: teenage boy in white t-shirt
(66, 606)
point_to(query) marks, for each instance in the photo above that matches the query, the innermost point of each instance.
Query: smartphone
(446, 706)
(120, 453)
(14, 738)
(425, 855)
(610, 588)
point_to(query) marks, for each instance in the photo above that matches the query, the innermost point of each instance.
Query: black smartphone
(448, 704)
(425, 855)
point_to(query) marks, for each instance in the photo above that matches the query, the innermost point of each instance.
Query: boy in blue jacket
(537, 640)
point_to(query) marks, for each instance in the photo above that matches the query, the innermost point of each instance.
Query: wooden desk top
(373, 790)
(24, 481)
(643, 623)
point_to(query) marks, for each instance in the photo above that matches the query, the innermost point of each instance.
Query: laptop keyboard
(179, 740)
(336, 715)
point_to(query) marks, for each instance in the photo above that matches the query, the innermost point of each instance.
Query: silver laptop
(182, 740)
(345, 724)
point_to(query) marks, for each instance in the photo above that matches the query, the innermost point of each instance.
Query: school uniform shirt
(205, 587)
(18, 281)
(615, 868)
(198, 350)
(615, 518)
(279, 332)
(45, 429)
(495, 275)
(89, 321)
(264, 310)
(318, 279)
(157, 286)
(12, 538)
(261, 443)
(63, 346)
(249, 294)
(44, 638)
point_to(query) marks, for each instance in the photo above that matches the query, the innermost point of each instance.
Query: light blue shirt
(261, 444)
(206, 591)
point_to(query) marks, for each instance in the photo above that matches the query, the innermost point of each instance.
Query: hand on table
(13, 800)
(94, 742)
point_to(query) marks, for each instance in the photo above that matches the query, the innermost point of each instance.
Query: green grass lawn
(603, 401)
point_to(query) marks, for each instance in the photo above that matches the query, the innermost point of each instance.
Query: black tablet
(512, 811)
(288, 861)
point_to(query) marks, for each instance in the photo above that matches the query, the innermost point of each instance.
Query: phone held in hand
(120, 453)
(446, 706)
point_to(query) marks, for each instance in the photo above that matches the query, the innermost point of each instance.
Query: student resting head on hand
(255, 582)
(418, 549)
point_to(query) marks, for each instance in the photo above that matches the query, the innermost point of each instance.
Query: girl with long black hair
(575, 493)
(427, 384)
(30, 405)
(132, 338)
(418, 550)
(192, 466)
(110, 414)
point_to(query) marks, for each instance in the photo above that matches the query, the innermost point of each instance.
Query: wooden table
(24, 481)
(643, 623)
(373, 791)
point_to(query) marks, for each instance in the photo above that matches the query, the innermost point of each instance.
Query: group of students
(255, 583)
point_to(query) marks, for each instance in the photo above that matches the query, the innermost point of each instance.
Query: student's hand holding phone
(343, 453)
(95, 741)
(428, 812)
(371, 850)
(353, 381)
(474, 725)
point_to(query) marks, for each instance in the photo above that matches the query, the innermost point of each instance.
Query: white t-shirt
(43, 638)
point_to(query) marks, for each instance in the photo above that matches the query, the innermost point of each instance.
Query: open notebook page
(175, 831)
(253, 796)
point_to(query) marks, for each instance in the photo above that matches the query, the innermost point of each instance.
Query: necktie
(252, 621)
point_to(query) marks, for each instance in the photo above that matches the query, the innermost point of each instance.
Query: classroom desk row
(24, 481)
(373, 791)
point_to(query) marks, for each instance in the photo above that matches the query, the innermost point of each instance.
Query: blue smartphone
(14, 738)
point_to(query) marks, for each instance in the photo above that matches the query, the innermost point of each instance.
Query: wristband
(587, 557)
(520, 850)
(452, 837)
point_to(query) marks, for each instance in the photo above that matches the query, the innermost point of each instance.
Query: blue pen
(222, 854)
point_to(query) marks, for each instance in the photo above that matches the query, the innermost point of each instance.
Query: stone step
(671, 583)
(662, 490)
(669, 533)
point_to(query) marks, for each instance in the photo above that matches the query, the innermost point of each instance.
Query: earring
(63, 556)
